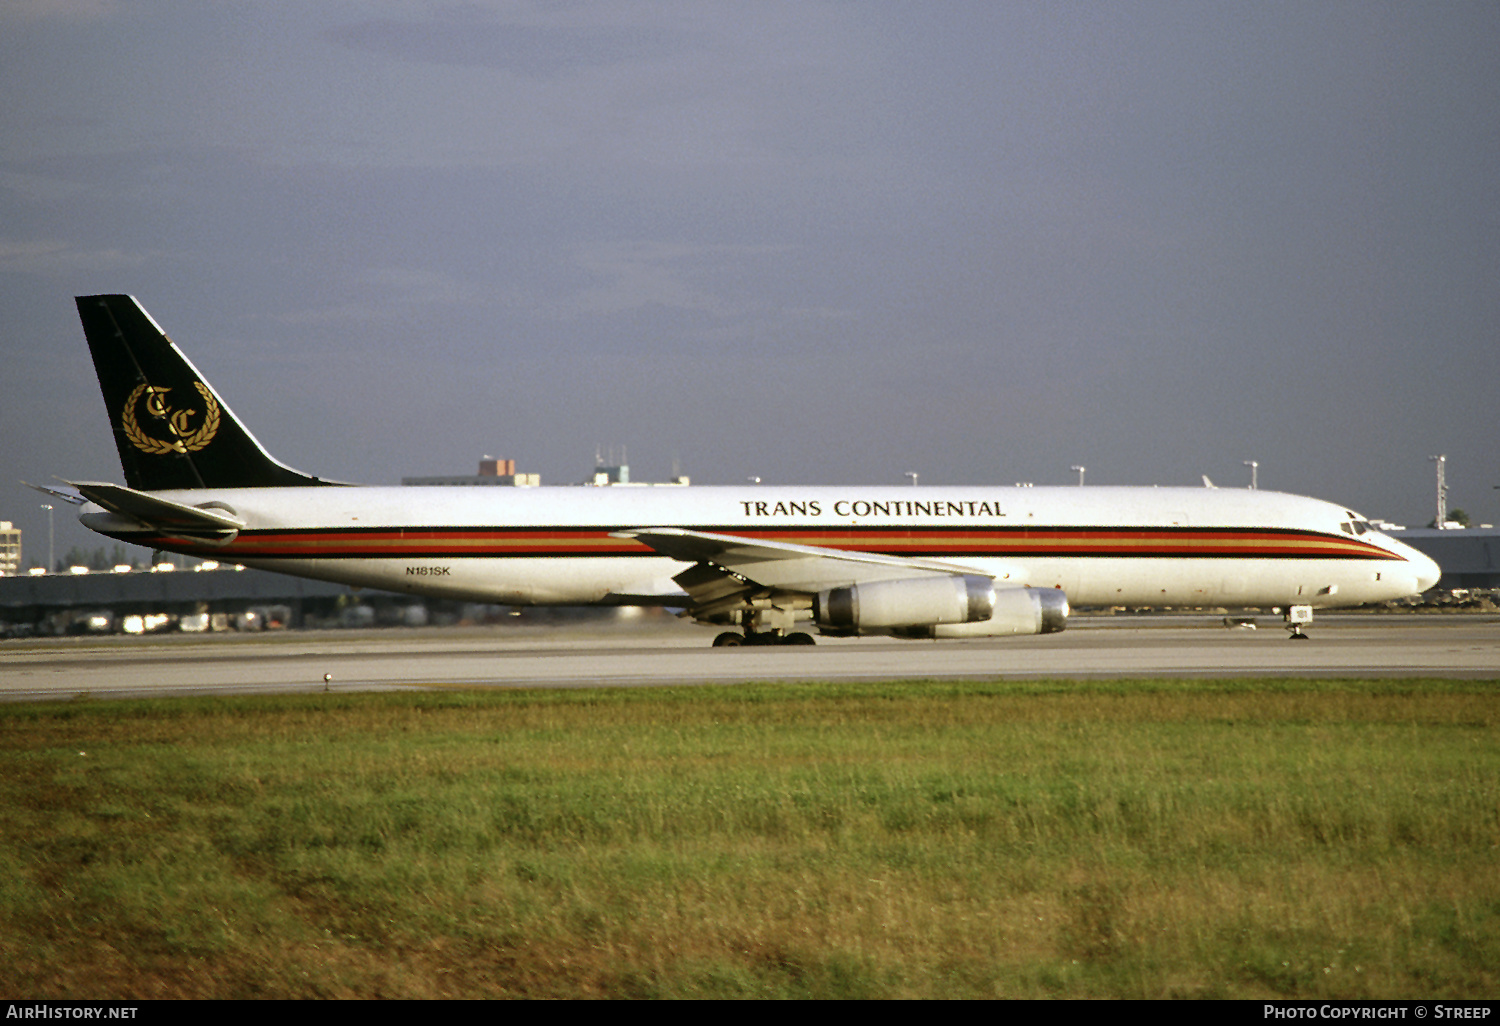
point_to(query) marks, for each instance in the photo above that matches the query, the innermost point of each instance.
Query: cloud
(462, 39)
(50, 256)
(58, 10)
(636, 275)
(382, 291)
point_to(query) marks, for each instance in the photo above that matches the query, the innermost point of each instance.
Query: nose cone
(1427, 570)
(1420, 572)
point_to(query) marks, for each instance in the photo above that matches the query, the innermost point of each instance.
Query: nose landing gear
(1295, 617)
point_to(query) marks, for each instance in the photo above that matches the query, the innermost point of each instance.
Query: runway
(671, 653)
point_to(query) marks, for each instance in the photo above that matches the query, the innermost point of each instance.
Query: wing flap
(784, 564)
(731, 570)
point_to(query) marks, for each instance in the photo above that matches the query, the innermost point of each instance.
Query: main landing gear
(769, 626)
(733, 639)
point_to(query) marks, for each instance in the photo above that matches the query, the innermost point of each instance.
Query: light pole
(1442, 491)
(51, 565)
(1254, 465)
(913, 475)
(1080, 473)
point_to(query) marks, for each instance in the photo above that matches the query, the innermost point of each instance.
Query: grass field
(1139, 839)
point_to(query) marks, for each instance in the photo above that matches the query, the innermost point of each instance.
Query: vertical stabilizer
(171, 428)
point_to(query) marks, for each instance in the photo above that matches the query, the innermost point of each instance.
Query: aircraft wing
(162, 514)
(730, 570)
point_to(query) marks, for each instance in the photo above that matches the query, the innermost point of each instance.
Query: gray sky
(816, 242)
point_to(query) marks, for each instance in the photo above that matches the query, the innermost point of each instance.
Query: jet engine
(941, 607)
(1017, 611)
(908, 602)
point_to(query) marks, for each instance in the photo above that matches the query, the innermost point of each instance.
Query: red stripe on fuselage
(1002, 542)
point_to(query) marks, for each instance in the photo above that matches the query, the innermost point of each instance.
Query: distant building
(492, 473)
(1469, 556)
(618, 475)
(612, 469)
(10, 549)
(607, 474)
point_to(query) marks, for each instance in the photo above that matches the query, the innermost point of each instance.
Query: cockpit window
(1357, 525)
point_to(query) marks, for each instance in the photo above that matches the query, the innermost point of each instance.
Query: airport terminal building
(1469, 556)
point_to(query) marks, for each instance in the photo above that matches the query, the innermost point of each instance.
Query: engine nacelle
(911, 602)
(1017, 611)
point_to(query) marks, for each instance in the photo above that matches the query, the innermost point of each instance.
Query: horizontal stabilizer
(164, 515)
(57, 493)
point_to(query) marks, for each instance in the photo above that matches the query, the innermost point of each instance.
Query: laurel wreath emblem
(175, 420)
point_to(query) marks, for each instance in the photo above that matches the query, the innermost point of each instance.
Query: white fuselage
(555, 546)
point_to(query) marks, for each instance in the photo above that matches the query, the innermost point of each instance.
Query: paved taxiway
(672, 653)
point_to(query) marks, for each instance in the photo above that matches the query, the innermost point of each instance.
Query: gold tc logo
(175, 421)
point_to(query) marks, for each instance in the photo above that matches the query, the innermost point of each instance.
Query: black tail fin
(171, 427)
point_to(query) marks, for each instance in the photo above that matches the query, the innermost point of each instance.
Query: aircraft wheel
(729, 639)
(799, 638)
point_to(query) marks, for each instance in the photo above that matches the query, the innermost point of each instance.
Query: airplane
(930, 562)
